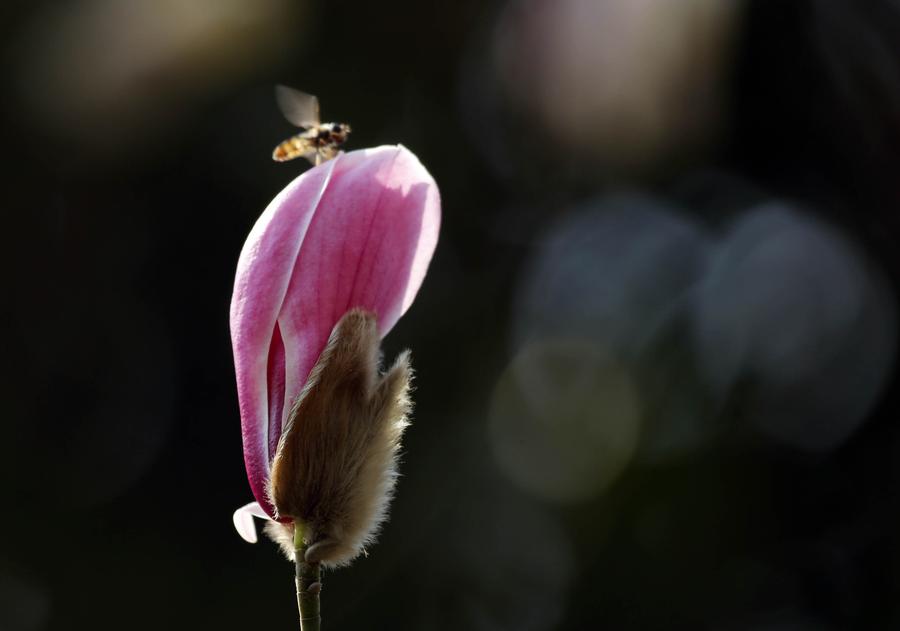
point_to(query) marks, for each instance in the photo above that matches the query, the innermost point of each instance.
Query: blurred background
(655, 351)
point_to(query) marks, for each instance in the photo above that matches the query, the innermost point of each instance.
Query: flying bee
(320, 141)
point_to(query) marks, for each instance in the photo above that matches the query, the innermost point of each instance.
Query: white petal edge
(243, 521)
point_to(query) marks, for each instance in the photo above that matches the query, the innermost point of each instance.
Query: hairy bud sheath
(335, 466)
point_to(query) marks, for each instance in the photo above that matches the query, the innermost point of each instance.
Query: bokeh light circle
(564, 420)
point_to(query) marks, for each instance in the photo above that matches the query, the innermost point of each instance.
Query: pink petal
(368, 246)
(243, 521)
(358, 231)
(263, 273)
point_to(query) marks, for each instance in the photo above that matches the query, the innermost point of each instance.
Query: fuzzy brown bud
(336, 463)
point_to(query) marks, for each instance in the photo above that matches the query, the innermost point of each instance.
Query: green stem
(309, 584)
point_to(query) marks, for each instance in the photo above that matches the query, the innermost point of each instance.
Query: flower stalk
(309, 583)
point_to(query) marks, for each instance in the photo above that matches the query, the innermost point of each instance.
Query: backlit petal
(243, 520)
(263, 273)
(368, 246)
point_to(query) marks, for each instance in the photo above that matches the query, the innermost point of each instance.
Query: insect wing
(298, 107)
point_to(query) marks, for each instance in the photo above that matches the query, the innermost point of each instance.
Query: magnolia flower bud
(326, 272)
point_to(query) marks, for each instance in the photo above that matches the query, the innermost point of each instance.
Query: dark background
(655, 350)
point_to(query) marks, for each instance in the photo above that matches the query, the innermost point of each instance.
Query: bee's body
(317, 144)
(320, 141)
